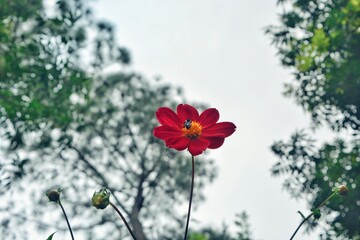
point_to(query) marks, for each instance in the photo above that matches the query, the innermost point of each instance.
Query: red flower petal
(209, 117)
(215, 142)
(168, 117)
(223, 129)
(198, 145)
(186, 111)
(165, 132)
(178, 143)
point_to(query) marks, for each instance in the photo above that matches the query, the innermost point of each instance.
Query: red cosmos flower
(186, 129)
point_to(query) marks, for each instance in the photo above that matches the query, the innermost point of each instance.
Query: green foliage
(209, 233)
(243, 226)
(242, 231)
(44, 80)
(38, 65)
(316, 171)
(38, 75)
(198, 236)
(320, 41)
(43, 73)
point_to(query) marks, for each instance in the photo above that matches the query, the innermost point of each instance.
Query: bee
(187, 123)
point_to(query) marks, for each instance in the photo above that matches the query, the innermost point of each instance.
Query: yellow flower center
(191, 129)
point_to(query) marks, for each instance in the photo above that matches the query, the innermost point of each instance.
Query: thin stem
(124, 220)
(323, 203)
(309, 216)
(191, 195)
(302, 222)
(67, 220)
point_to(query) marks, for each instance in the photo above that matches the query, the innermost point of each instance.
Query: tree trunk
(137, 226)
(135, 210)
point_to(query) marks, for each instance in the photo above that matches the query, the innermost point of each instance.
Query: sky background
(218, 52)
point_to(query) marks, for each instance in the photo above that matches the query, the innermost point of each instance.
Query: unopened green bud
(343, 190)
(54, 195)
(317, 213)
(101, 199)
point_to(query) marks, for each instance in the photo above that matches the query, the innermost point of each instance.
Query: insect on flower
(187, 124)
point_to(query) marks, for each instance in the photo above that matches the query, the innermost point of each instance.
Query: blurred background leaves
(320, 42)
(65, 123)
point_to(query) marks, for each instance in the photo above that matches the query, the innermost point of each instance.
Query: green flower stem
(312, 213)
(326, 200)
(124, 220)
(191, 195)
(67, 220)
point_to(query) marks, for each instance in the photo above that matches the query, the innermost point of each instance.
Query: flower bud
(101, 199)
(54, 195)
(317, 213)
(343, 190)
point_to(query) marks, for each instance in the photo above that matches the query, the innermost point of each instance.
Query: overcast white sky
(217, 51)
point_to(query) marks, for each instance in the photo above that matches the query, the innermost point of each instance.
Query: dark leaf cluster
(320, 41)
(316, 171)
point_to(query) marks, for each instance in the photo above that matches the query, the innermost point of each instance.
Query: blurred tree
(320, 41)
(210, 233)
(113, 147)
(38, 64)
(242, 226)
(85, 130)
(43, 75)
(315, 172)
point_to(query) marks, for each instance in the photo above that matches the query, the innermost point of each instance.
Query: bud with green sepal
(341, 190)
(101, 199)
(316, 213)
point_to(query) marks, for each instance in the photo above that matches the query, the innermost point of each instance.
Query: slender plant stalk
(302, 222)
(312, 213)
(124, 220)
(67, 220)
(326, 200)
(191, 195)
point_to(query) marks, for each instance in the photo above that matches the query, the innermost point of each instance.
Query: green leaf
(304, 63)
(197, 236)
(51, 236)
(320, 41)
